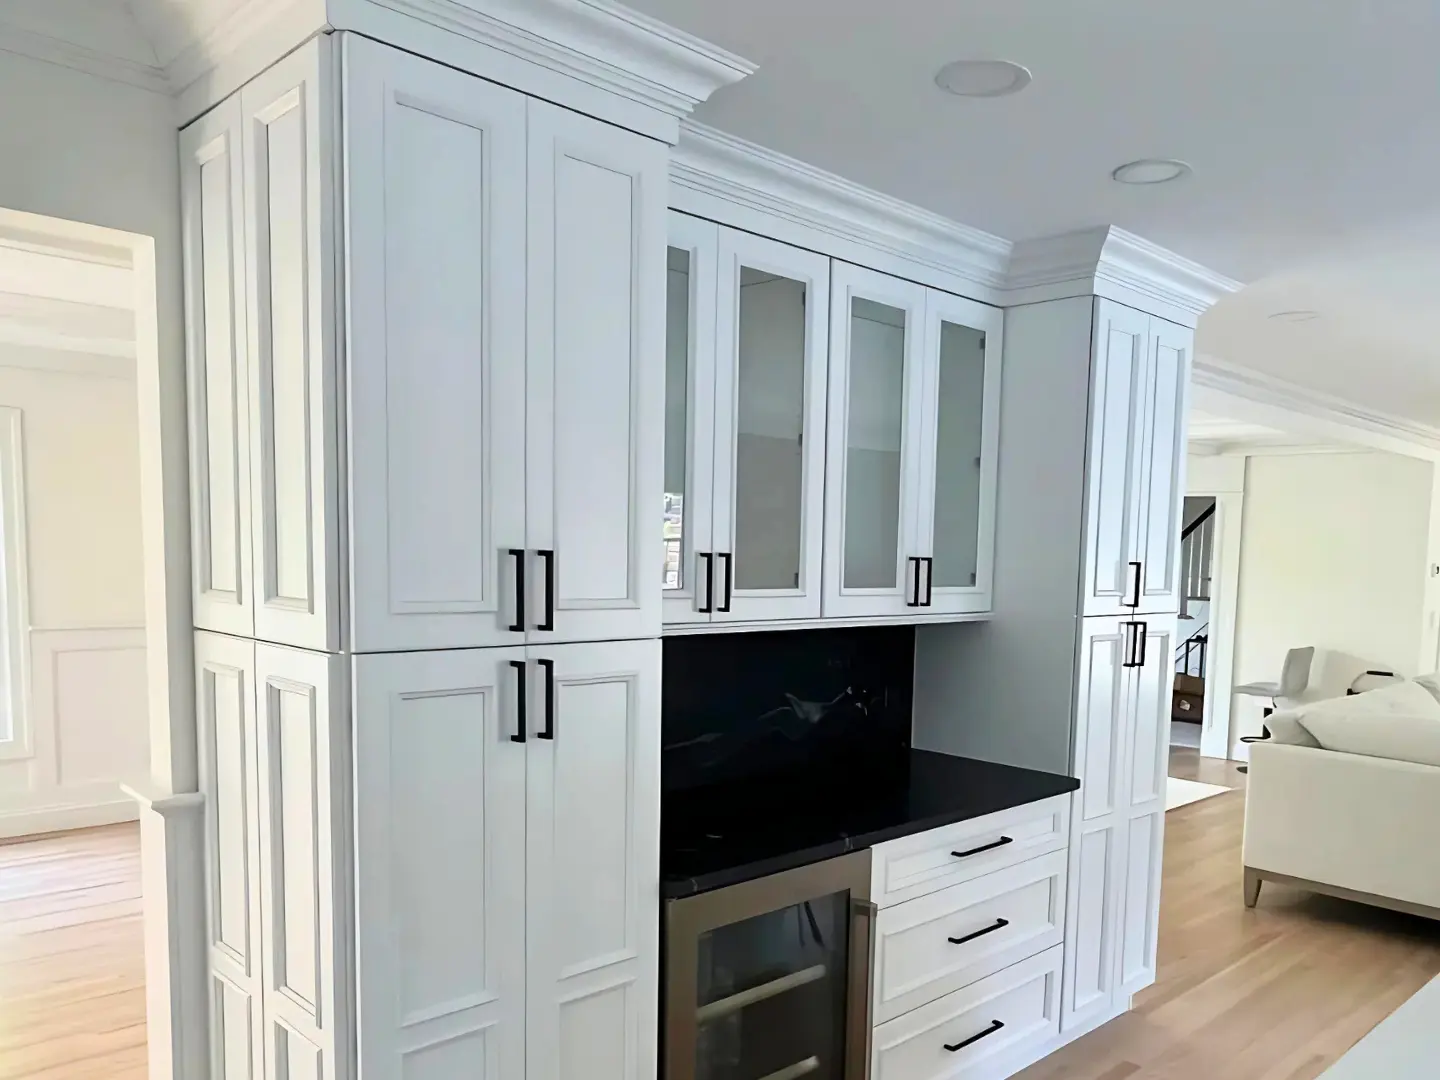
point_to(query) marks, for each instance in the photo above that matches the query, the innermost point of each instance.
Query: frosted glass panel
(959, 430)
(677, 383)
(873, 438)
(769, 477)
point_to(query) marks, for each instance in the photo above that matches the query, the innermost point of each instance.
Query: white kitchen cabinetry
(498, 282)
(746, 343)
(1125, 675)
(1140, 372)
(507, 860)
(274, 753)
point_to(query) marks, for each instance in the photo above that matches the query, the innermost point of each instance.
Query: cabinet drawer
(983, 1032)
(930, 861)
(928, 947)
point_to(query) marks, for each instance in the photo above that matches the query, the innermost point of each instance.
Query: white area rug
(1405, 1045)
(1184, 792)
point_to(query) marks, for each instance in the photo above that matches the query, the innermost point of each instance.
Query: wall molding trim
(53, 50)
(32, 821)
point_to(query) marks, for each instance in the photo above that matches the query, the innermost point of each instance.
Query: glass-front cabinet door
(960, 450)
(872, 552)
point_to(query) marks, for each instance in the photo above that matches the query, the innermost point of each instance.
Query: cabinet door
(688, 573)
(771, 339)
(435, 179)
(302, 723)
(1148, 746)
(593, 838)
(288, 143)
(225, 715)
(217, 369)
(440, 864)
(1098, 824)
(872, 477)
(595, 377)
(1160, 485)
(960, 451)
(1115, 458)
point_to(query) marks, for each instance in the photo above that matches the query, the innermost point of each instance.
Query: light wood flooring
(72, 964)
(1277, 993)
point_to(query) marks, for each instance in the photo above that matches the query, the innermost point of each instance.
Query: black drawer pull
(984, 847)
(518, 626)
(548, 558)
(995, 1025)
(548, 731)
(520, 681)
(1000, 924)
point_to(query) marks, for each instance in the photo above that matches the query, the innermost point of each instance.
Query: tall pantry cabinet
(425, 329)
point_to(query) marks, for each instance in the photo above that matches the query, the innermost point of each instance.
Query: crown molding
(1366, 426)
(53, 50)
(717, 174)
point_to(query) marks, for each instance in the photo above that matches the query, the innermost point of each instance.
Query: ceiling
(1315, 145)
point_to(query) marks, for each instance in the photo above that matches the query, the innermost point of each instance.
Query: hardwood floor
(72, 965)
(1277, 993)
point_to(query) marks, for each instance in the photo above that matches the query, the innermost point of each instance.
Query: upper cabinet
(830, 437)
(1135, 476)
(494, 293)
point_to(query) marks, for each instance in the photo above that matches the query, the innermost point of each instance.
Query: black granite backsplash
(752, 704)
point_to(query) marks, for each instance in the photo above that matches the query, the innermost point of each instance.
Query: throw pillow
(1285, 728)
(1408, 698)
(1398, 736)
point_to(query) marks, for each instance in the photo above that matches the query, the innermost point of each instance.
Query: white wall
(87, 699)
(1334, 553)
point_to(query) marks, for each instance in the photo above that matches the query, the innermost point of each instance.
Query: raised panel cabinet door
(303, 740)
(435, 250)
(873, 425)
(770, 383)
(959, 453)
(440, 863)
(1161, 479)
(287, 144)
(225, 715)
(595, 377)
(217, 369)
(1114, 461)
(1097, 832)
(592, 862)
(688, 573)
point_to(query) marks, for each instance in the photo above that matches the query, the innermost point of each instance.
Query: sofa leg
(1252, 887)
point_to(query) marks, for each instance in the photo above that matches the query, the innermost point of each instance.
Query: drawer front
(930, 861)
(928, 947)
(983, 1032)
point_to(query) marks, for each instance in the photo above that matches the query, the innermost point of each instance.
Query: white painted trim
(14, 591)
(830, 623)
(103, 65)
(60, 358)
(148, 797)
(1224, 605)
(51, 819)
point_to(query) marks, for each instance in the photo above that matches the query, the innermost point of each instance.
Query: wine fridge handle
(859, 1008)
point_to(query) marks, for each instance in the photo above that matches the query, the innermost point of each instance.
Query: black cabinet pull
(995, 1025)
(725, 560)
(518, 626)
(983, 847)
(519, 666)
(1136, 634)
(709, 576)
(1142, 637)
(1136, 569)
(929, 581)
(915, 600)
(1000, 924)
(548, 558)
(548, 731)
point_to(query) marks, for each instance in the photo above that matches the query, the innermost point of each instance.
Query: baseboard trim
(53, 819)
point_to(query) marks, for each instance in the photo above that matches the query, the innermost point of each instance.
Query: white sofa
(1353, 825)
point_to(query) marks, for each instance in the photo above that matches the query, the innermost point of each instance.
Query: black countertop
(721, 835)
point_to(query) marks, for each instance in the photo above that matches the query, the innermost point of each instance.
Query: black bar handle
(929, 581)
(915, 602)
(1128, 630)
(518, 626)
(709, 577)
(1000, 924)
(983, 847)
(548, 731)
(995, 1025)
(725, 561)
(519, 736)
(1142, 638)
(548, 558)
(1136, 569)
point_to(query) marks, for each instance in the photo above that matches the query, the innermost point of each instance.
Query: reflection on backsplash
(737, 705)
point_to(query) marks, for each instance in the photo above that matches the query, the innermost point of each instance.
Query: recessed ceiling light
(982, 78)
(1299, 315)
(1151, 171)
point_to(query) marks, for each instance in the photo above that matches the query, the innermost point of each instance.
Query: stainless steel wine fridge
(770, 979)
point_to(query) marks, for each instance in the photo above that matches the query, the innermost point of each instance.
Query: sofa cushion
(1285, 728)
(1399, 722)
